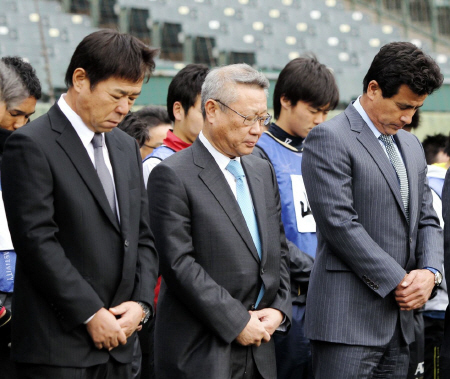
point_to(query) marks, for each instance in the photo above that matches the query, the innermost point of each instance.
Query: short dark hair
(139, 124)
(107, 53)
(185, 87)
(447, 147)
(399, 63)
(27, 75)
(306, 79)
(432, 145)
(415, 120)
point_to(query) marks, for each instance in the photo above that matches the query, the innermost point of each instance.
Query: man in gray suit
(379, 239)
(216, 214)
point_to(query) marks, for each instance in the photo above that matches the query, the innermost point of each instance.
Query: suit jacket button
(410, 240)
(126, 243)
(262, 271)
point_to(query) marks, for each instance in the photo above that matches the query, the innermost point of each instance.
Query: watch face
(438, 278)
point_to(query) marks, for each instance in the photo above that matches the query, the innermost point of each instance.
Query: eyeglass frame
(266, 119)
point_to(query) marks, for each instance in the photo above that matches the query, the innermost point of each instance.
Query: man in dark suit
(77, 212)
(215, 211)
(379, 239)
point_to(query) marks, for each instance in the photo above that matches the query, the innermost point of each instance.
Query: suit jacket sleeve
(170, 220)
(27, 193)
(147, 259)
(430, 236)
(327, 170)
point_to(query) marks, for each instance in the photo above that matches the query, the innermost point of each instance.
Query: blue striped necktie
(245, 203)
(399, 169)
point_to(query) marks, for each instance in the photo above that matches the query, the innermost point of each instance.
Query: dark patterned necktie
(399, 169)
(103, 172)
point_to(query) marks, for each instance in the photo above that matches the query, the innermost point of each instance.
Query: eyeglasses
(250, 120)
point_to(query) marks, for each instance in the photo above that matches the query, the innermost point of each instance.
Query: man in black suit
(77, 212)
(215, 211)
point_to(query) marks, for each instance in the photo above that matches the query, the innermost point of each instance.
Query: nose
(406, 117)
(320, 117)
(256, 128)
(123, 107)
(19, 122)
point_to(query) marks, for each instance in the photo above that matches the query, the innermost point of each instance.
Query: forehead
(26, 106)
(119, 85)
(250, 98)
(405, 96)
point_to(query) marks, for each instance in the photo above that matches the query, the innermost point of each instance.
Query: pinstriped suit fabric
(365, 244)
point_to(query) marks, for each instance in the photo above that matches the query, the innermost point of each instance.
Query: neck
(178, 131)
(283, 123)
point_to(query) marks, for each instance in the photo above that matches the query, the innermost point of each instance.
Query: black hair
(447, 147)
(432, 145)
(185, 87)
(306, 79)
(139, 124)
(415, 120)
(27, 75)
(107, 53)
(399, 63)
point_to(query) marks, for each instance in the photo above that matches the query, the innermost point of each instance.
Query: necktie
(245, 203)
(103, 172)
(399, 169)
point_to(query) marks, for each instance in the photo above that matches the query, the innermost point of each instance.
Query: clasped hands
(415, 289)
(108, 332)
(261, 326)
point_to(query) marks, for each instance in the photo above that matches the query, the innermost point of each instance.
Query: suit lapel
(411, 170)
(372, 145)
(72, 145)
(213, 178)
(256, 186)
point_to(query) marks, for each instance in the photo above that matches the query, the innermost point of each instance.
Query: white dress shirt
(86, 135)
(376, 132)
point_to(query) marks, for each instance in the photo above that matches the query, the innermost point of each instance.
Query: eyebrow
(408, 106)
(19, 112)
(125, 93)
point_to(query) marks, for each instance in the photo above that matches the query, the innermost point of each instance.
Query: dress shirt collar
(221, 160)
(80, 127)
(365, 117)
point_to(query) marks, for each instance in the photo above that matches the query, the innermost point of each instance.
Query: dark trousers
(416, 368)
(434, 336)
(340, 361)
(110, 370)
(146, 338)
(293, 350)
(242, 363)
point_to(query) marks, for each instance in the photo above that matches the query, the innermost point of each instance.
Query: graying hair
(220, 83)
(12, 90)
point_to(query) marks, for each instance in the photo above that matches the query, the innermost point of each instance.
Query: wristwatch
(145, 312)
(437, 278)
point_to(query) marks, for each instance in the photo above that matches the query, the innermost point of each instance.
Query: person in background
(436, 153)
(12, 93)
(148, 126)
(183, 106)
(304, 94)
(17, 115)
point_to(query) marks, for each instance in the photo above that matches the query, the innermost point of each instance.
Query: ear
(285, 102)
(373, 89)
(211, 109)
(178, 111)
(80, 79)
